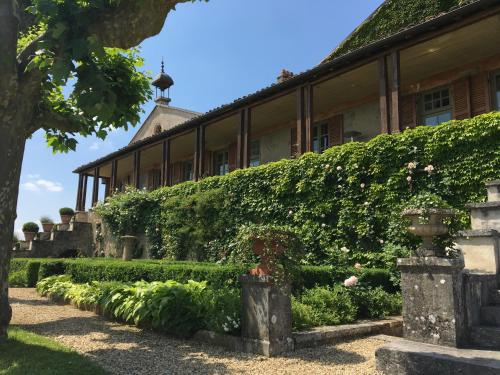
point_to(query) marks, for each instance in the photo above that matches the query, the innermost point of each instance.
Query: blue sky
(215, 52)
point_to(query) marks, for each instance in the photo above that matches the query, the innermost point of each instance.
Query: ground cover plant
(345, 204)
(184, 308)
(27, 353)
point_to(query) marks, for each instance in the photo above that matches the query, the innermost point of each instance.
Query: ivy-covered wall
(345, 203)
(391, 17)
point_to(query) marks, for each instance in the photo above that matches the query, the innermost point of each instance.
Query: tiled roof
(326, 67)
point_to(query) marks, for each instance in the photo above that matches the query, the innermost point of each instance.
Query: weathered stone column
(433, 306)
(266, 319)
(128, 247)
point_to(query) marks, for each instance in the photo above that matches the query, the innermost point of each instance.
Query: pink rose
(351, 281)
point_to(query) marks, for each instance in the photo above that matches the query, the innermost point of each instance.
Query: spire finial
(162, 66)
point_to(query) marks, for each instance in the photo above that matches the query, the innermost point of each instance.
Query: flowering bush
(351, 196)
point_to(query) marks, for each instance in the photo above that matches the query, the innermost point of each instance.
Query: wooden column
(114, 170)
(84, 192)
(95, 190)
(395, 125)
(165, 164)
(79, 193)
(309, 117)
(243, 146)
(383, 95)
(137, 169)
(196, 158)
(300, 121)
(305, 119)
(107, 186)
(201, 152)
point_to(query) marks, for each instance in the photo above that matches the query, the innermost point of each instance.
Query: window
(187, 171)
(255, 153)
(320, 137)
(154, 179)
(221, 163)
(496, 90)
(437, 107)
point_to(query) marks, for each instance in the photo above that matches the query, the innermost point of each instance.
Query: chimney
(284, 75)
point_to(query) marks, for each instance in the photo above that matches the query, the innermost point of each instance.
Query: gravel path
(127, 350)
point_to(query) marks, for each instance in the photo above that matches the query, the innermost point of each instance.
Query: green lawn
(26, 353)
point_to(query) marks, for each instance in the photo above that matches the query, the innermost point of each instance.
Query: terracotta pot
(65, 219)
(263, 268)
(428, 230)
(47, 227)
(29, 236)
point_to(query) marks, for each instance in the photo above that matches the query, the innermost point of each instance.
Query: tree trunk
(12, 142)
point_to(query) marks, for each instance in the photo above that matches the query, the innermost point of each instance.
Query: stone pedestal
(128, 247)
(481, 245)
(433, 306)
(82, 216)
(266, 318)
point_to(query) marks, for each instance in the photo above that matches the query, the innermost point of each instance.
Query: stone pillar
(433, 306)
(128, 247)
(266, 321)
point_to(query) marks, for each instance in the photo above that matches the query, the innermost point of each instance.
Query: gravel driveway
(127, 350)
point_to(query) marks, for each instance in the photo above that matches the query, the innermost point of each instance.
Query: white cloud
(94, 146)
(30, 186)
(50, 185)
(41, 184)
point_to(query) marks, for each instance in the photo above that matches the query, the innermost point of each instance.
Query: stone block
(404, 357)
(493, 188)
(266, 321)
(485, 215)
(433, 300)
(480, 249)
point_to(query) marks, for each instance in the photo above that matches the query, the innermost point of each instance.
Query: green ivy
(391, 17)
(345, 204)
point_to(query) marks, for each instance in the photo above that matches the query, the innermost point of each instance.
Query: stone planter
(65, 219)
(128, 247)
(428, 229)
(29, 236)
(263, 268)
(47, 227)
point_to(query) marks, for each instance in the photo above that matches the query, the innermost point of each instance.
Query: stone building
(431, 69)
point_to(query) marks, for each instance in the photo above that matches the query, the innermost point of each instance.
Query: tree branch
(49, 120)
(128, 24)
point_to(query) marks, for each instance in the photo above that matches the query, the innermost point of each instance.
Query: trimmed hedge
(216, 276)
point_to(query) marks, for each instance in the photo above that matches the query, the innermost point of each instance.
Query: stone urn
(29, 236)
(65, 219)
(264, 268)
(428, 228)
(47, 227)
(128, 247)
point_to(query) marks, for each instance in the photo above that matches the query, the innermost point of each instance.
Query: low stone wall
(318, 336)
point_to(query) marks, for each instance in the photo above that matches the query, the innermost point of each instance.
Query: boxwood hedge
(217, 276)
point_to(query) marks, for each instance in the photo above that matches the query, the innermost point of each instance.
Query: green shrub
(223, 310)
(52, 268)
(46, 220)
(24, 272)
(31, 227)
(375, 303)
(331, 306)
(349, 197)
(17, 279)
(66, 211)
(303, 316)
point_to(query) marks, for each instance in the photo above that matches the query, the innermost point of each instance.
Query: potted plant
(277, 247)
(427, 213)
(30, 230)
(47, 224)
(66, 214)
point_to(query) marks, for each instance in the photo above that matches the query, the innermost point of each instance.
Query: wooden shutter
(408, 111)
(480, 94)
(336, 130)
(294, 149)
(461, 99)
(233, 149)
